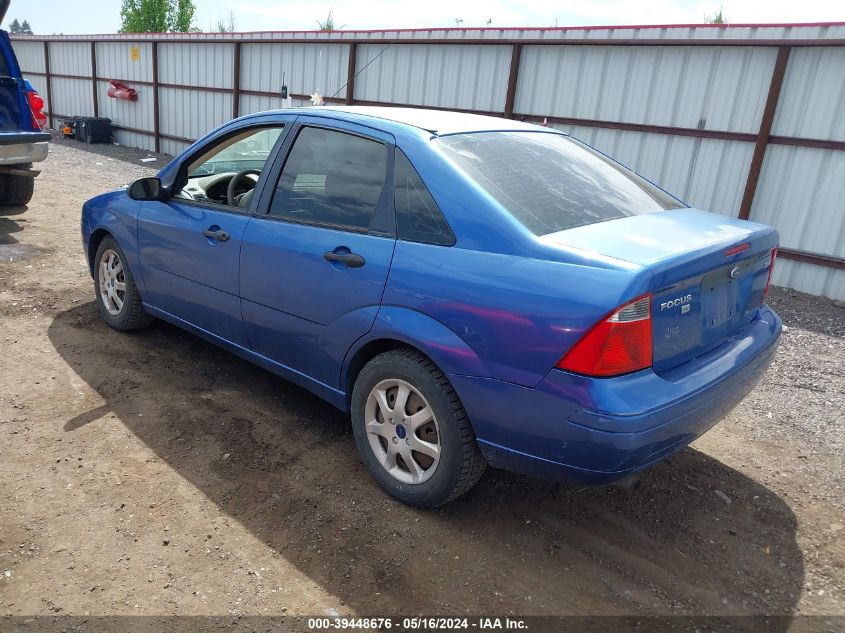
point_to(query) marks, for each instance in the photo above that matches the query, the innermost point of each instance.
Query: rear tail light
(36, 105)
(619, 344)
(771, 270)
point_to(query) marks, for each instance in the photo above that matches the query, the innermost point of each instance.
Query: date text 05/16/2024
(431, 623)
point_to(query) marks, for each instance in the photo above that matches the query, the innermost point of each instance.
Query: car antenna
(389, 44)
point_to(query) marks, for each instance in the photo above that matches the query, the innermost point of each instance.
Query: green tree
(716, 18)
(181, 16)
(156, 16)
(23, 28)
(227, 26)
(143, 16)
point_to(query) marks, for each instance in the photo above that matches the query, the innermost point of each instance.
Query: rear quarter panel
(517, 315)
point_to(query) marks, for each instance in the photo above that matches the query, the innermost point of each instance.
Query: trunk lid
(709, 273)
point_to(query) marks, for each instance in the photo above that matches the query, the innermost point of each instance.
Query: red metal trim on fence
(817, 143)
(828, 261)
(719, 42)
(135, 130)
(178, 139)
(389, 104)
(140, 82)
(276, 95)
(487, 29)
(641, 127)
(195, 88)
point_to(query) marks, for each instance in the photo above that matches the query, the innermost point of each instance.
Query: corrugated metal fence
(744, 120)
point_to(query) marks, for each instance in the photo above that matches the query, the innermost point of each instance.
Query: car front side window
(227, 172)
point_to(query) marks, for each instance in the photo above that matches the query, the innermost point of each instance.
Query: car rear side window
(331, 178)
(551, 182)
(417, 217)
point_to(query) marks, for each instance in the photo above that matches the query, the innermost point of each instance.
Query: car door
(189, 245)
(314, 266)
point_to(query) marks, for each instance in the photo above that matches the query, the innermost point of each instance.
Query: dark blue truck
(22, 141)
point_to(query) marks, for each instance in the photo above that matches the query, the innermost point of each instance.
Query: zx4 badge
(682, 302)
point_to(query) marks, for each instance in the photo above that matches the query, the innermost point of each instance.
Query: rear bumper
(14, 153)
(596, 431)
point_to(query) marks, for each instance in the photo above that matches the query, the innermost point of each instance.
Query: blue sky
(103, 16)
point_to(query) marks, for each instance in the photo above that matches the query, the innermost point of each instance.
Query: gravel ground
(153, 473)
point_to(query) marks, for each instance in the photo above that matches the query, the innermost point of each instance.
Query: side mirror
(146, 189)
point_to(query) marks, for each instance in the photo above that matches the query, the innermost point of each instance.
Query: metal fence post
(236, 81)
(513, 76)
(156, 130)
(350, 73)
(48, 82)
(94, 78)
(764, 133)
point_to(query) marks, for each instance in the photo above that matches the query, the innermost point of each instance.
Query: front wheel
(412, 431)
(117, 296)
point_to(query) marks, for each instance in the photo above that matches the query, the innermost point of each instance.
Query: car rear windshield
(551, 182)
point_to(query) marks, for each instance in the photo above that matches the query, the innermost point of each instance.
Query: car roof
(438, 122)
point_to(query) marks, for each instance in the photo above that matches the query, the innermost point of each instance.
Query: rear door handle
(353, 260)
(216, 234)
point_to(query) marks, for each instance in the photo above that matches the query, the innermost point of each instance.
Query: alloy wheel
(112, 282)
(402, 431)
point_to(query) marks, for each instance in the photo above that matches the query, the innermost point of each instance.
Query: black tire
(16, 191)
(131, 315)
(461, 463)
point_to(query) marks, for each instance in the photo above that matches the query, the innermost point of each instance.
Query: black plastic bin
(93, 129)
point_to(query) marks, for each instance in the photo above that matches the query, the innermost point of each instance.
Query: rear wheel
(16, 191)
(117, 296)
(412, 431)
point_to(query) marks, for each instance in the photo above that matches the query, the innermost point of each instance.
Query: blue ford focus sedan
(472, 290)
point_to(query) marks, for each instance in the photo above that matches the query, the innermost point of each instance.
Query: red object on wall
(119, 90)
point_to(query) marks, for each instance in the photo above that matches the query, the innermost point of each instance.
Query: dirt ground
(153, 473)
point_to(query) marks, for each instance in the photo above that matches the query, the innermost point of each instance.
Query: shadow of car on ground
(284, 465)
(9, 226)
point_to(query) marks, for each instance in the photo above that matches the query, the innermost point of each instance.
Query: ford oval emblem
(735, 271)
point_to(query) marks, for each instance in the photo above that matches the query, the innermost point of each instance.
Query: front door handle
(353, 260)
(216, 234)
